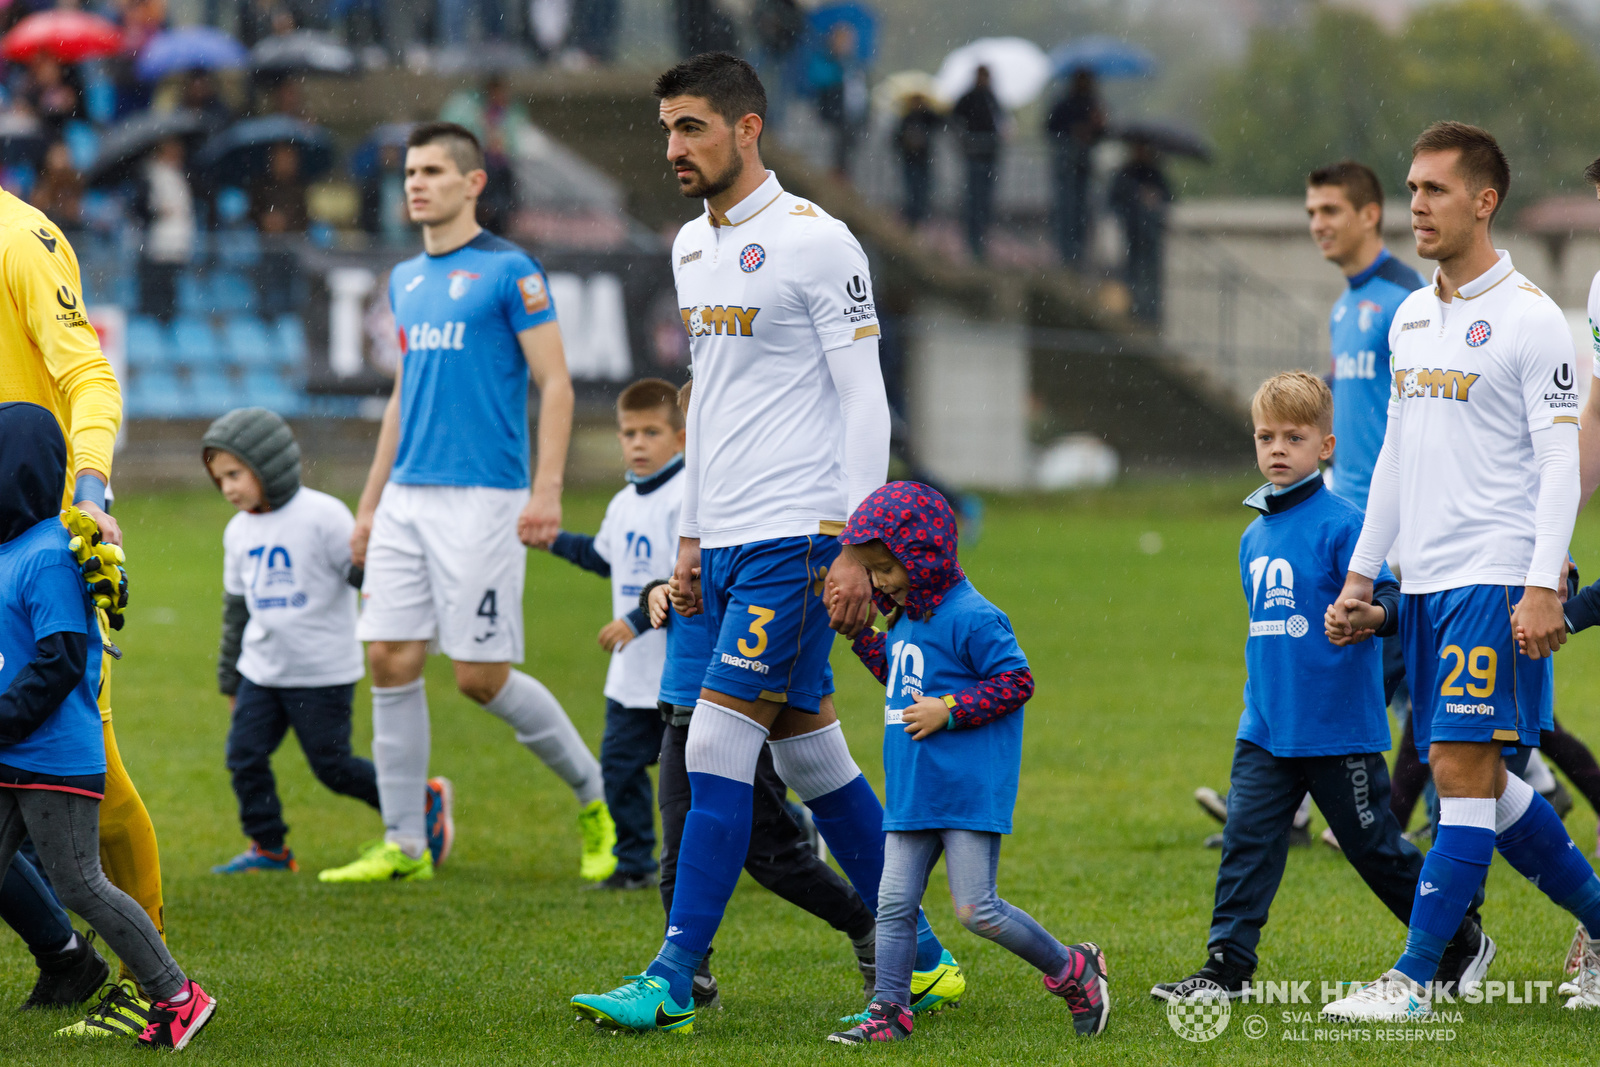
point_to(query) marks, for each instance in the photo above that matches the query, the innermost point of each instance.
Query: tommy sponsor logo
(707, 319)
(1469, 709)
(1415, 324)
(689, 257)
(1433, 382)
(745, 664)
(425, 335)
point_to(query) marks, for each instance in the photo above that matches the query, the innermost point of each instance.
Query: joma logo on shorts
(745, 664)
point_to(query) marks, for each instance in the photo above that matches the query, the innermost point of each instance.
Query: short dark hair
(1361, 186)
(1481, 162)
(1591, 173)
(460, 142)
(651, 394)
(729, 84)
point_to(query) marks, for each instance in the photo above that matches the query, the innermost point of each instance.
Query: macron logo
(673, 931)
(1428, 887)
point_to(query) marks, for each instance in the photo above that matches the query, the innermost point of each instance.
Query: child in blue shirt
(52, 752)
(1314, 716)
(955, 685)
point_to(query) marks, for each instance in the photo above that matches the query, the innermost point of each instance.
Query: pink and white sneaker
(1083, 986)
(174, 1025)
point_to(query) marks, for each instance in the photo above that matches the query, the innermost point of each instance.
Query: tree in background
(1344, 87)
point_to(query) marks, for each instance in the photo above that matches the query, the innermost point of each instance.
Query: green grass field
(1139, 666)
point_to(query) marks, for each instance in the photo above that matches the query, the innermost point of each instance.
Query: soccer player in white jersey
(788, 432)
(446, 512)
(1474, 494)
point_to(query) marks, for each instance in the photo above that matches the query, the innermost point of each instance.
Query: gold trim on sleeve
(865, 331)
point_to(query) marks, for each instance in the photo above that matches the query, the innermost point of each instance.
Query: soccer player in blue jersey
(788, 432)
(447, 511)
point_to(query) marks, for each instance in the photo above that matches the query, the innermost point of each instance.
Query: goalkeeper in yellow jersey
(50, 356)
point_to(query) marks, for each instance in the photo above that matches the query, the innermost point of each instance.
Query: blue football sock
(716, 838)
(929, 951)
(1451, 874)
(850, 820)
(1541, 850)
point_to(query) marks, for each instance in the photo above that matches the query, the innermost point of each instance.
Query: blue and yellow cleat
(642, 1004)
(931, 991)
(255, 858)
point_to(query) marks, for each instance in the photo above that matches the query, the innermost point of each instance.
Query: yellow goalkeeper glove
(101, 564)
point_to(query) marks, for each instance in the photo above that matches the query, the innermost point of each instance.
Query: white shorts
(444, 564)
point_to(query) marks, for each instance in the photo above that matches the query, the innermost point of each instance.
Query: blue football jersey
(1359, 328)
(953, 779)
(1303, 695)
(464, 379)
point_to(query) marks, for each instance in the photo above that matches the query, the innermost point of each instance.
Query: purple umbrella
(190, 48)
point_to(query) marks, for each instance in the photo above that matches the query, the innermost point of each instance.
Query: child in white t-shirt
(637, 544)
(289, 655)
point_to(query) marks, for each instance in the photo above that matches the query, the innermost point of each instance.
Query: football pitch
(1128, 605)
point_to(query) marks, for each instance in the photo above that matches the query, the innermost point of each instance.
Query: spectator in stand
(278, 209)
(200, 94)
(260, 19)
(383, 199)
(502, 127)
(983, 121)
(1076, 124)
(1139, 198)
(454, 20)
(59, 192)
(840, 82)
(779, 25)
(594, 35)
(55, 95)
(914, 139)
(167, 208)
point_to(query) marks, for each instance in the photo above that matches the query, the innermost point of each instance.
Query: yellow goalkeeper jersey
(49, 354)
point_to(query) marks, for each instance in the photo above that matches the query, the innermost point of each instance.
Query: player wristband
(89, 487)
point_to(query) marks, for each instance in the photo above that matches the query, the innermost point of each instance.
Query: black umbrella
(242, 151)
(1167, 137)
(125, 144)
(302, 52)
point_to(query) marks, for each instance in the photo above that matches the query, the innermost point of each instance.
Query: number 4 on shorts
(487, 609)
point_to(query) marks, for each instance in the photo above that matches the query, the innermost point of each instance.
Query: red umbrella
(69, 36)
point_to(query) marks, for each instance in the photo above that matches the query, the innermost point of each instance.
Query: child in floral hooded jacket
(955, 685)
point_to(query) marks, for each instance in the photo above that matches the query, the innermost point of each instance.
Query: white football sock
(1302, 815)
(541, 724)
(815, 764)
(1538, 775)
(1513, 803)
(400, 752)
(723, 742)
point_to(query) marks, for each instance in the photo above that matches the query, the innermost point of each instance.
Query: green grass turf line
(1139, 666)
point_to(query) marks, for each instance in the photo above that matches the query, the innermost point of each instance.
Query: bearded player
(788, 432)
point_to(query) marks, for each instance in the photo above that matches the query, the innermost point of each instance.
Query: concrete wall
(969, 385)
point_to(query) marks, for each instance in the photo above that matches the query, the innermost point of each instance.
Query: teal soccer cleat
(642, 1004)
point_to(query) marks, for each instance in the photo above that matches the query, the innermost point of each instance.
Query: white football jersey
(291, 566)
(1594, 322)
(765, 293)
(639, 538)
(1472, 380)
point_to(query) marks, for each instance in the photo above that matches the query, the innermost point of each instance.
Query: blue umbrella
(190, 48)
(858, 17)
(1104, 57)
(242, 151)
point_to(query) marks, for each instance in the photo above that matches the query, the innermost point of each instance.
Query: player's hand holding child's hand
(1355, 624)
(615, 634)
(927, 716)
(1539, 622)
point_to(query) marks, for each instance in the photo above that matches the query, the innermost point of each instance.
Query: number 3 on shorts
(758, 630)
(1481, 663)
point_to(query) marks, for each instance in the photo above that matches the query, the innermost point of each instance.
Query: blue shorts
(763, 603)
(1468, 680)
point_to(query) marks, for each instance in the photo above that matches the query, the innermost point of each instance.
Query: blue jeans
(631, 743)
(321, 720)
(29, 906)
(971, 861)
